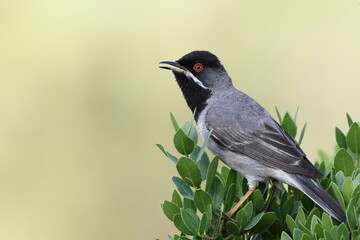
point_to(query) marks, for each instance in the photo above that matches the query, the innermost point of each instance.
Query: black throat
(194, 94)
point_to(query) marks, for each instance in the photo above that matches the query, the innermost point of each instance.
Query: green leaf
(298, 234)
(180, 225)
(289, 125)
(342, 232)
(327, 235)
(174, 122)
(352, 217)
(356, 179)
(353, 138)
(340, 138)
(169, 155)
(231, 179)
(347, 189)
(190, 219)
(203, 147)
(190, 130)
(264, 223)
(202, 200)
(176, 199)
(203, 163)
(245, 214)
(340, 178)
(229, 197)
(217, 223)
(288, 207)
(303, 228)
(183, 143)
(188, 203)
(334, 231)
(241, 218)
(315, 213)
(285, 236)
(356, 233)
(353, 213)
(290, 223)
(307, 203)
(161, 147)
(203, 222)
(275, 207)
(278, 114)
(253, 221)
(318, 230)
(302, 134)
(350, 121)
(232, 228)
(211, 172)
(183, 188)
(327, 221)
(209, 216)
(301, 216)
(224, 173)
(239, 182)
(310, 217)
(170, 209)
(325, 182)
(306, 237)
(217, 191)
(356, 191)
(248, 208)
(189, 171)
(244, 186)
(257, 199)
(337, 194)
(344, 162)
(296, 113)
(183, 238)
(277, 227)
(320, 166)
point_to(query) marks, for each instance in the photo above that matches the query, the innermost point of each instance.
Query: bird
(243, 134)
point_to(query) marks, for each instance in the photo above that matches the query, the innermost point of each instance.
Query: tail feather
(316, 193)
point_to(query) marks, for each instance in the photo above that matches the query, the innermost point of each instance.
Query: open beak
(174, 66)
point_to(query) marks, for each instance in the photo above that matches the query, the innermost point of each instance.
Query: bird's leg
(271, 195)
(242, 200)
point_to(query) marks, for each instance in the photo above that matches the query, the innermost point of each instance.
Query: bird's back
(241, 125)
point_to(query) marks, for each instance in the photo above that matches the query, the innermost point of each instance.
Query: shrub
(205, 192)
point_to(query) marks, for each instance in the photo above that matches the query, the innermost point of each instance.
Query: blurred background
(83, 102)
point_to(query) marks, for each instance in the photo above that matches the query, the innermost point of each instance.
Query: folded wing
(258, 136)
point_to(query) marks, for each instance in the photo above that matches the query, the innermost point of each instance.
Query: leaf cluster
(205, 192)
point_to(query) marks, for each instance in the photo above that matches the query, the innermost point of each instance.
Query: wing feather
(261, 138)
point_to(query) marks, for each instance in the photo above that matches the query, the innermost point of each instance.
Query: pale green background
(82, 101)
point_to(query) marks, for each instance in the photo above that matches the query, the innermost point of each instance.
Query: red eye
(198, 67)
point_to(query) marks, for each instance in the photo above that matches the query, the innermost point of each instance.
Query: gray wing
(249, 130)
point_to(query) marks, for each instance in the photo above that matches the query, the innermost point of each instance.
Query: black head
(199, 75)
(203, 58)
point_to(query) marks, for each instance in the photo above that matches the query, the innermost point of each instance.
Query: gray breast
(254, 171)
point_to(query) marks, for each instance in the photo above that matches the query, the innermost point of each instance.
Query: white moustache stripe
(197, 81)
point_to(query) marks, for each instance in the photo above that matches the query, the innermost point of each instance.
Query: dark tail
(314, 191)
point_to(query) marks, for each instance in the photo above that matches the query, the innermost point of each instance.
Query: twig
(229, 237)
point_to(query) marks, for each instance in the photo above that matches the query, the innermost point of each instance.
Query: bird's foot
(242, 200)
